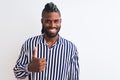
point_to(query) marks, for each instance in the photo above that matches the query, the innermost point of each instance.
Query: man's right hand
(37, 64)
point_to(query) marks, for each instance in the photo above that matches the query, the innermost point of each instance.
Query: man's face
(51, 23)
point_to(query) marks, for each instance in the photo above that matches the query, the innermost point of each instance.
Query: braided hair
(50, 7)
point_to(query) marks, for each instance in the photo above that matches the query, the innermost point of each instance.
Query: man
(48, 56)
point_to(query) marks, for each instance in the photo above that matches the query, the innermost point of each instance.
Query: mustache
(51, 28)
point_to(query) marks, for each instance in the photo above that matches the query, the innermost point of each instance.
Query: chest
(54, 54)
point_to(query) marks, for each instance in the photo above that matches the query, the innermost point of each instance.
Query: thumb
(34, 53)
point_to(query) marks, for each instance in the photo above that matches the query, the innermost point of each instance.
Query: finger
(43, 63)
(42, 68)
(42, 60)
(34, 53)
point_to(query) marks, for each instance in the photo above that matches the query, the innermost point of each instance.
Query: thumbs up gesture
(37, 64)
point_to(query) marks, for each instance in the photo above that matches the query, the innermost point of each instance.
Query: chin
(51, 35)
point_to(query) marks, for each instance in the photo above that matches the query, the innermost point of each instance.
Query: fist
(37, 64)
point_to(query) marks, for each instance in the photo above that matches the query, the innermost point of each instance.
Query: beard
(50, 34)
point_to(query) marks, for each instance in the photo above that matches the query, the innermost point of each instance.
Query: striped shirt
(62, 60)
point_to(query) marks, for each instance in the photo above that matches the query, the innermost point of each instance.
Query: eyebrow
(49, 19)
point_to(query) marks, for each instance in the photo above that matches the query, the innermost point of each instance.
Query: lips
(52, 30)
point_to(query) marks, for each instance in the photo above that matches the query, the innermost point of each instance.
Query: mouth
(52, 30)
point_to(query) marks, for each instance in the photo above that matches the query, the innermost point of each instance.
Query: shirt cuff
(26, 67)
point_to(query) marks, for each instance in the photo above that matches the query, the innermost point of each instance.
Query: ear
(42, 20)
(60, 20)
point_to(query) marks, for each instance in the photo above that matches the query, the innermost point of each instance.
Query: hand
(37, 64)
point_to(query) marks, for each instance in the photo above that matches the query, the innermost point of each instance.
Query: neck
(50, 41)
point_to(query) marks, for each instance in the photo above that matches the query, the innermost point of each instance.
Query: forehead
(51, 15)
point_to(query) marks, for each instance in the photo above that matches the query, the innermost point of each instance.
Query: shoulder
(67, 42)
(70, 46)
(32, 40)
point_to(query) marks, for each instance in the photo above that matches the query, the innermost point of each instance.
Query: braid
(50, 7)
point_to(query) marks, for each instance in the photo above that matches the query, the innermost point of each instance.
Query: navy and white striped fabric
(62, 60)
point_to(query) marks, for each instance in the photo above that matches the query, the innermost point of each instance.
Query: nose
(52, 24)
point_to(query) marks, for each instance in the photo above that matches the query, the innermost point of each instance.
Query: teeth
(52, 30)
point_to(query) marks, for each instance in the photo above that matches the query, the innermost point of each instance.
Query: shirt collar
(59, 41)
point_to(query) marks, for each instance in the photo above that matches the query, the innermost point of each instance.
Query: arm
(74, 66)
(21, 64)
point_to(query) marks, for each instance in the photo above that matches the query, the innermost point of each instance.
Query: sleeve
(20, 69)
(74, 66)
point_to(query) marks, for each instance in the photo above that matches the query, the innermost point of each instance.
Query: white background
(93, 25)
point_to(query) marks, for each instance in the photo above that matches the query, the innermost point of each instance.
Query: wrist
(27, 68)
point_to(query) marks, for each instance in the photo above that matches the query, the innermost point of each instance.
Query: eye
(47, 21)
(56, 21)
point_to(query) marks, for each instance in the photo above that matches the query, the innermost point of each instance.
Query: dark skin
(37, 64)
(53, 20)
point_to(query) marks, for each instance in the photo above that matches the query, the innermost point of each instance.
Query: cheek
(57, 25)
(46, 25)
